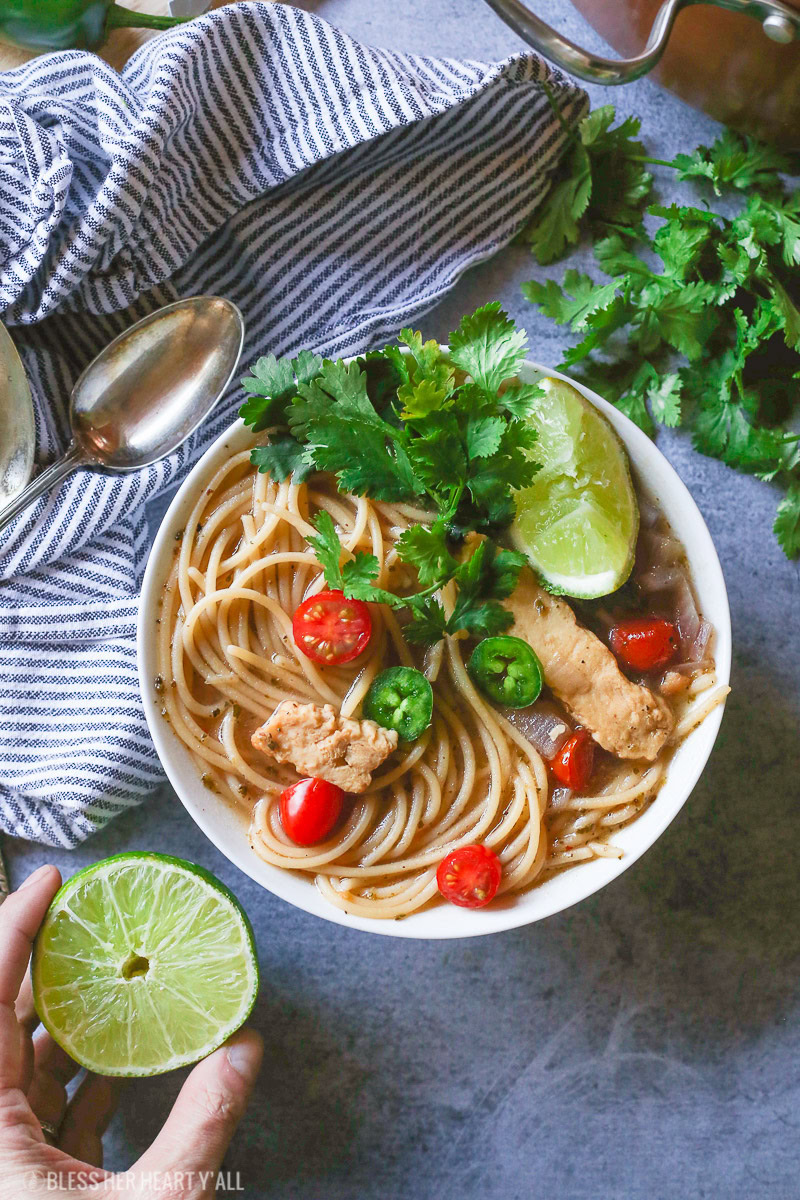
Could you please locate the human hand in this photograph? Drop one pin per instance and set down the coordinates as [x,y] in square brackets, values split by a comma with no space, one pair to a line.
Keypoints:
[182,1162]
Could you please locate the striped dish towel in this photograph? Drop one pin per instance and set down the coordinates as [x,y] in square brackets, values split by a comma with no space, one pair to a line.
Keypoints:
[333,191]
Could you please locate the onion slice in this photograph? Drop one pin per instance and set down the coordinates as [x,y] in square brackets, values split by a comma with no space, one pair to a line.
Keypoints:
[559,797]
[687,618]
[544,728]
[701,642]
[660,579]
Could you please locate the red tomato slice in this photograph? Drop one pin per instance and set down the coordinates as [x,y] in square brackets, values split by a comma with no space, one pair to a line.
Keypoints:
[574,763]
[310,809]
[331,629]
[469,876]
[645,643]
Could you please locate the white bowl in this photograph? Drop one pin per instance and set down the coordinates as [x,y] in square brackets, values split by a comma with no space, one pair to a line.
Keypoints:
[228,830]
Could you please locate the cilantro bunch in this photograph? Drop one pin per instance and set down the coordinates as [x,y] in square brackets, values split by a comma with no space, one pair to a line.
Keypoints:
[699,325]
[442,429]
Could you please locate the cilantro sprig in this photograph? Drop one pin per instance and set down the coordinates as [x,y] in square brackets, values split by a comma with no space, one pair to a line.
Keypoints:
[487,576]
[446,430]
[699,325]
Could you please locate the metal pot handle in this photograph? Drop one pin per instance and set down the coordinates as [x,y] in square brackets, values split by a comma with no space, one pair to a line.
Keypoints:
[780,23]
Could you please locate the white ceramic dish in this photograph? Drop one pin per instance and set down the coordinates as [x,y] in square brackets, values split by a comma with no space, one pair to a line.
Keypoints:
[228,831]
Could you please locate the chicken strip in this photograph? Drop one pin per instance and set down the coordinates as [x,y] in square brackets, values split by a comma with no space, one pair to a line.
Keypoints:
[321,744]
[623,717]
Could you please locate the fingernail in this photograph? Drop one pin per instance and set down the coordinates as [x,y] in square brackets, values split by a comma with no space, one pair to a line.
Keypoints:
[245,1057]
[36,875]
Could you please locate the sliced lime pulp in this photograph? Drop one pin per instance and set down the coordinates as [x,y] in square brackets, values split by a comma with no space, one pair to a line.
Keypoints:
[143,963]
[579,520]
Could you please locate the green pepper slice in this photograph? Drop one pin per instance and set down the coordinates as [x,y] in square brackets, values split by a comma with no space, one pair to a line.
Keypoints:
[507,671]
[400,698]
[71,24]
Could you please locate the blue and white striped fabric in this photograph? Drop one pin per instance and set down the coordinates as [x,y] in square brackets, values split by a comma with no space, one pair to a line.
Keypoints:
[332,190]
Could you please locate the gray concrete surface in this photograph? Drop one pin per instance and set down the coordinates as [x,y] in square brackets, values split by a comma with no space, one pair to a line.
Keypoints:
[643,1046]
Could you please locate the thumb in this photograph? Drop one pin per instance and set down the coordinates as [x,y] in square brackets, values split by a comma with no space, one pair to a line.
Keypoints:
[210,1105]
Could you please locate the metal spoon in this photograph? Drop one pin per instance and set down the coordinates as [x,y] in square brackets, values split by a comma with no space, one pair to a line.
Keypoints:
[147,391]
[16,455]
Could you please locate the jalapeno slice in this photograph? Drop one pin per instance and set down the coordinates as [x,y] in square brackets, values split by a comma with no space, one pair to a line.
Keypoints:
[400,698]
[506,670]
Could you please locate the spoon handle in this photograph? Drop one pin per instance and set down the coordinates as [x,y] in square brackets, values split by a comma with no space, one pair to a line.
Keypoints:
[47,479]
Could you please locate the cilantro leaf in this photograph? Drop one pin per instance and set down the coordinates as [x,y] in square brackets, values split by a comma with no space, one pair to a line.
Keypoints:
[334,416]
[519,399]
[483,436]
[360,570]
[421,399]
[282,457]
[488,346]
[480,620]
[327,548]
[621,182]
[633,400]
[270,376]
[680,314]
[272,382]
[489,572]
[595,129]
[664,396]
[788,313]
[437,456]
[787,220]
[428,359]
[555,223]
[263,412]
[356,576]
[426,549]
[735,161]
[787,522]
[339,384]
[504,570]
[429,623]
[482,580]
[616,259]
[572,303]
[430,377]
[683,238]
[602,325]
[494,479]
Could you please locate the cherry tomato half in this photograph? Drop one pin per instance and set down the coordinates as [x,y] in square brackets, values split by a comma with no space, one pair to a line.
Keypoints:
[330,629]
[645,643]
[310,809]
[574,763]
[469,876]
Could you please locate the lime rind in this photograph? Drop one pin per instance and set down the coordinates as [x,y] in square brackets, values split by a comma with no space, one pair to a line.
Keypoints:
[144,963]
[579,521]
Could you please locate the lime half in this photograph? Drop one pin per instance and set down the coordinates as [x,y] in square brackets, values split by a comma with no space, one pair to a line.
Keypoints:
[579,520]
[143,963]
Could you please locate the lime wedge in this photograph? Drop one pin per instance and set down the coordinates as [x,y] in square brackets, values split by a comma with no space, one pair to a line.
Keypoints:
[579,520]
[143,963]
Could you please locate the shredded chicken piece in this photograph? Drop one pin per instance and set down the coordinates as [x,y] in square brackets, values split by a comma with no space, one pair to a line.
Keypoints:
[623,717]
[674,682]
[321,744]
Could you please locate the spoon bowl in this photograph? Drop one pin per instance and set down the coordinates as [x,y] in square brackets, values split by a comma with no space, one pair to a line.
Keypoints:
[16,421]
[154,384]
[147,391]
